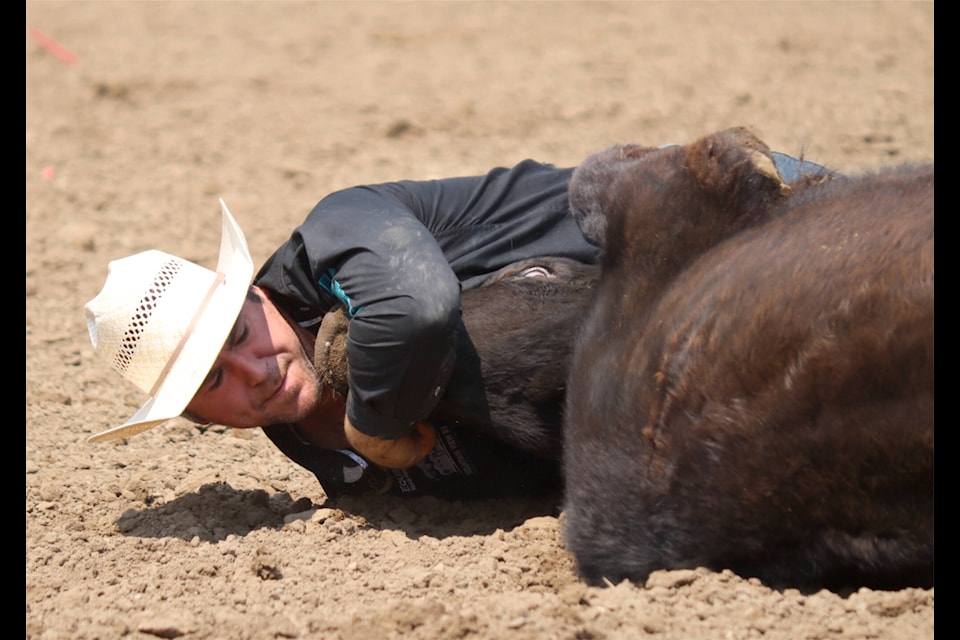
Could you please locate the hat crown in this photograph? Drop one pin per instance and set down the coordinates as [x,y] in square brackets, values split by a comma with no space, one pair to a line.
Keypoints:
[146,307]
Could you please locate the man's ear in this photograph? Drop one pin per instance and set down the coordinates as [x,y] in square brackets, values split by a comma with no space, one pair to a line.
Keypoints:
[256,294]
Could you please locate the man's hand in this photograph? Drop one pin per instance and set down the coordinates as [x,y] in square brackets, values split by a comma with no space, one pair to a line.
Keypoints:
[402,453]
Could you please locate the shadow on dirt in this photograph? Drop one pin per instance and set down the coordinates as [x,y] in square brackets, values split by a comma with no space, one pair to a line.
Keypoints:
[217,510]
[211,513]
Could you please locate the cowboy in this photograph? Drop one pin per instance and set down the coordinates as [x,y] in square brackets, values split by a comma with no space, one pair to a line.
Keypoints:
[212,347]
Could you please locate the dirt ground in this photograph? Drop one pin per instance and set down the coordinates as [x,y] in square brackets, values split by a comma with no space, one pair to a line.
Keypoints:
[150,111]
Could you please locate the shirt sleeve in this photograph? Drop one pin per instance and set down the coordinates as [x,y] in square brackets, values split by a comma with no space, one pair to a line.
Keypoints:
[370,254]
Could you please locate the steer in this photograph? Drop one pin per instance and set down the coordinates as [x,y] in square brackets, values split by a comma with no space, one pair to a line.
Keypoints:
[752,387]
[512,353]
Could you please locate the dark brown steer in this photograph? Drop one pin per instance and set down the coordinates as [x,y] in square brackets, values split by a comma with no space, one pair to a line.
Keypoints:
[753,385]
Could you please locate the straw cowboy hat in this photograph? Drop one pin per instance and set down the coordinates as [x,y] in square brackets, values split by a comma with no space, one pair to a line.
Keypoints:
[161,322]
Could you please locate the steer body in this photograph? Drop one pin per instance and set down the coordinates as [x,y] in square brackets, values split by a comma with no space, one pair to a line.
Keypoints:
[513,354]
[753,385]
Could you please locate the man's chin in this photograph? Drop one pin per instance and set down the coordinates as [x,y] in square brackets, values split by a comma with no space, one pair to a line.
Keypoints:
[303,406]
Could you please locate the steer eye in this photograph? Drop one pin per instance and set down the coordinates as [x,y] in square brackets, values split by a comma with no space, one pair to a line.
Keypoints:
[536,272]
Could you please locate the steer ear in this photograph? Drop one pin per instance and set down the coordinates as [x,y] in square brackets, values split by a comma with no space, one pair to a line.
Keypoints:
[735,163]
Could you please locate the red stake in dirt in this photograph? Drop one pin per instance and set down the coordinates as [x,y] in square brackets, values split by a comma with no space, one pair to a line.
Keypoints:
[59,51]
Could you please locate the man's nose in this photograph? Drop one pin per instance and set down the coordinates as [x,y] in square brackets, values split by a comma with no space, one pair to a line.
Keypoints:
[249,368]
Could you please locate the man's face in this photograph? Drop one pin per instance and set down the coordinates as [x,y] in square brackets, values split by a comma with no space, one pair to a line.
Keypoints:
[263,374]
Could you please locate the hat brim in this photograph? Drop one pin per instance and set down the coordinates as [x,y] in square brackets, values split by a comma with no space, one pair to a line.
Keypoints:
[201,347]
